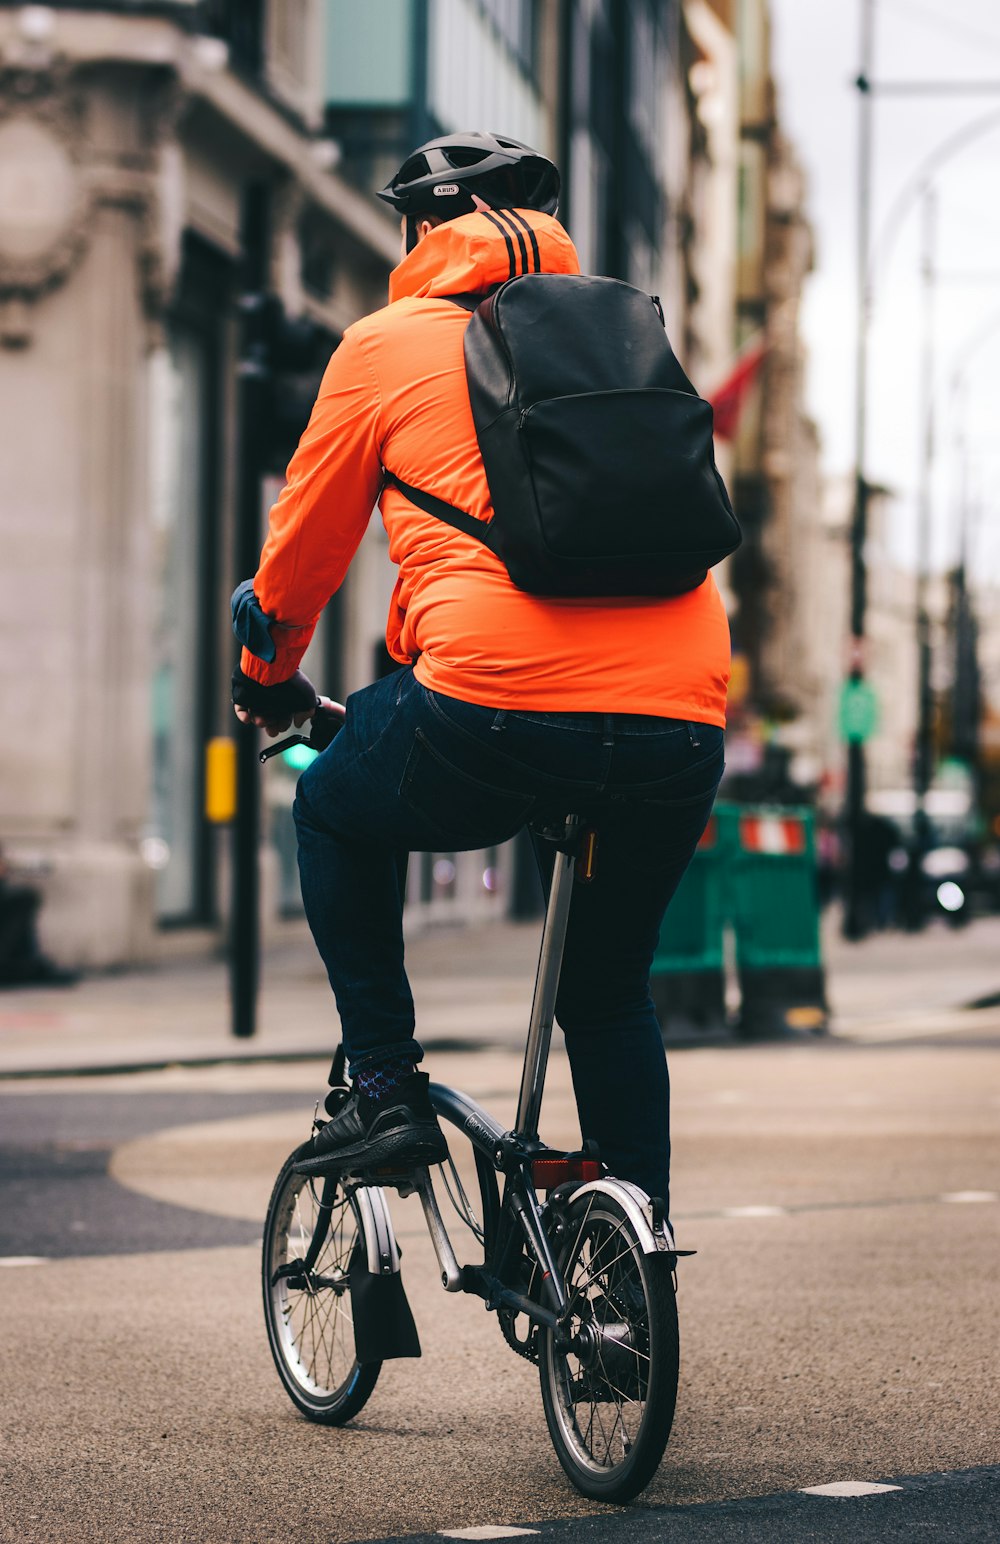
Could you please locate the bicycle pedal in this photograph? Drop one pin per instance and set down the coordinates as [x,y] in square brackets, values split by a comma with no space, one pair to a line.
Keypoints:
[405,1180]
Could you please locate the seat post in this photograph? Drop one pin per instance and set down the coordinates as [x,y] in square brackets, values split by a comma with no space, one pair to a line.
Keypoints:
[536,1054]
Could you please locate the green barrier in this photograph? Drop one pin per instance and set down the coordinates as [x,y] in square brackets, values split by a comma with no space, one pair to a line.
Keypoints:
[775,914]
[754,873]
[687,979]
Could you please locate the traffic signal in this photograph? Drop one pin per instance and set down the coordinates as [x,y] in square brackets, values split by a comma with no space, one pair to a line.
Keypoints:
[289,356]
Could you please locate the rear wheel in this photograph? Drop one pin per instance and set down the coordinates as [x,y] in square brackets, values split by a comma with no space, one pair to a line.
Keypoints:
[310,1326]
[609,1395]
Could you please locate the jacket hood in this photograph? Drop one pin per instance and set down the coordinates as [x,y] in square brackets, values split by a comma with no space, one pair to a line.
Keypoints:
[472,253]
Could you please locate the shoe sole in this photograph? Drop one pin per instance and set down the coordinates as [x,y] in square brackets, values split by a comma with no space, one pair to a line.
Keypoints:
[406,1149]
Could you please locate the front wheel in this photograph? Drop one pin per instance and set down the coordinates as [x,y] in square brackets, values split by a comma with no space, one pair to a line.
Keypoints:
[307,1308]
[609,1394]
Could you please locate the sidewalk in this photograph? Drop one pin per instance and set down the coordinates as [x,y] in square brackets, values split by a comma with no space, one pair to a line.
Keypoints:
[472,988]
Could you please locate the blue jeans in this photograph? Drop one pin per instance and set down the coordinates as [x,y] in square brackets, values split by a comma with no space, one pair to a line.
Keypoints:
[413,771]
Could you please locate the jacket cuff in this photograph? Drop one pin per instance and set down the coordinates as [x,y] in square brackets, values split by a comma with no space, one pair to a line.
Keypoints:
[251,623]
[270,673]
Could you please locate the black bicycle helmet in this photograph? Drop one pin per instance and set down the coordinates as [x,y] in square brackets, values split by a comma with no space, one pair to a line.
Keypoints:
[440,177]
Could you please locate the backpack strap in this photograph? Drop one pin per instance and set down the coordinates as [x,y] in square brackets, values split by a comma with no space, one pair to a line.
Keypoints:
[449,513]
[469,302]
[428,502]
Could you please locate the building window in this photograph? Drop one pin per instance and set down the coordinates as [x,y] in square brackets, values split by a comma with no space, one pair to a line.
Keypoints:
[318,258]
[181,382]
[185,427]
[241,24]
[517,23]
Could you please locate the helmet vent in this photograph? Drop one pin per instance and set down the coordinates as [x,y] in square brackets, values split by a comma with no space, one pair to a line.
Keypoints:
[416,166]
[459,155]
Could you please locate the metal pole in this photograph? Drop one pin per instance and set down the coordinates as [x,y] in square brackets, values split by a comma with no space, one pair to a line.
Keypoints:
[853,923]
[914,911]
[923,757]
[965,710]
[244,945]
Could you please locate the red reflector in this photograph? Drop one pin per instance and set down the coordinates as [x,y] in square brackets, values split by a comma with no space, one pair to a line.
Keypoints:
[547,1173]
[708,835]
[775,835]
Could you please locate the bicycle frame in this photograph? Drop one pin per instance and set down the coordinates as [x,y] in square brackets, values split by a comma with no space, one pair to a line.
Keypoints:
[517,1220]
[574,1267]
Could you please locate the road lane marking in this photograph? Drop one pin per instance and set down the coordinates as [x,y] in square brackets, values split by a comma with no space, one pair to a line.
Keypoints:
[847,1488]
[753,1211]
[484,1533]
[805,1208]
[23,1259]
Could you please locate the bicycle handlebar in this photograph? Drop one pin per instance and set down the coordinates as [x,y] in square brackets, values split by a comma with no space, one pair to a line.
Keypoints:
[327,722]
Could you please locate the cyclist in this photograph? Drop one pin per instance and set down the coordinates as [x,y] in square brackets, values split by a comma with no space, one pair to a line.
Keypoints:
[506,703]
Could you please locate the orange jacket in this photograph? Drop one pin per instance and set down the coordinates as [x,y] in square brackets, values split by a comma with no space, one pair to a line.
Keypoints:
[394,396]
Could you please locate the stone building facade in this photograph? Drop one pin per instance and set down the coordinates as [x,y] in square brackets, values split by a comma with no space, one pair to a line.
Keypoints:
[772,465]
[147,151]
[129,140]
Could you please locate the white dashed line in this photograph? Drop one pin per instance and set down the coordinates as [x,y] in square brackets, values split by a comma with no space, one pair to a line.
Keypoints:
[970,1197]
[847,1488]
[753,1211]
[23,1259]
[484,1533]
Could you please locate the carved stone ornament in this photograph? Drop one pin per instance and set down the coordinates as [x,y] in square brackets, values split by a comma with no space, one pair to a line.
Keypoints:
[44,205]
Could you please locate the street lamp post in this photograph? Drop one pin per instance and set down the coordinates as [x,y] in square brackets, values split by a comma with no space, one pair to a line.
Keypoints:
[853,919]
[244,965]
[853,924]
[923,750]
[965,736]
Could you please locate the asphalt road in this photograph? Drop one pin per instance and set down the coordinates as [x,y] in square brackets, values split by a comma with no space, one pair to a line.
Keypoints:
[839,1323]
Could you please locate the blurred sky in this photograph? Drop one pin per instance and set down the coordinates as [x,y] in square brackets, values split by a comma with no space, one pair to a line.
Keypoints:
[816,57]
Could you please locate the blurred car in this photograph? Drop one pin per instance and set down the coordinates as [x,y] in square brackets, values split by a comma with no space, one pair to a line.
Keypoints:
[939,865]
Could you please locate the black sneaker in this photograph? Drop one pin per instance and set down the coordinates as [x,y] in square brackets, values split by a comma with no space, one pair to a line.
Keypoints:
[398,1131]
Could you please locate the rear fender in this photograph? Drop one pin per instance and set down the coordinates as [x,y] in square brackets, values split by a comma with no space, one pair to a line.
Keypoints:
[653,1238]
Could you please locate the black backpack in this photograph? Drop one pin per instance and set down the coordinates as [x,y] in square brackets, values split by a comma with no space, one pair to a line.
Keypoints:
[597,449]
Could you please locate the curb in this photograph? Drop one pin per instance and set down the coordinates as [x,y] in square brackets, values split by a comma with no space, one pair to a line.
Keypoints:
[221,1059]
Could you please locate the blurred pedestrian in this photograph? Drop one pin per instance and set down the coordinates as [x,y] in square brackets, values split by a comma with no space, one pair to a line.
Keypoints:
[829,857]
[877,840]
[22,962]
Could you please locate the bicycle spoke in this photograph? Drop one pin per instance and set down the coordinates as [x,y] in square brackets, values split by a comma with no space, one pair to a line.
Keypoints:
[317,1314]
[603,1270]
[309,1311]
[590,1424]
[609,1421]
[573,1252]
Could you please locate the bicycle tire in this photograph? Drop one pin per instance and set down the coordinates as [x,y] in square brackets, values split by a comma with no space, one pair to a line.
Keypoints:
[310,1327]
[609,1402]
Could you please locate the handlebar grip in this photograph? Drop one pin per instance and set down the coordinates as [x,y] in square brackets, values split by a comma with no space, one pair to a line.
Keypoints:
[327,723]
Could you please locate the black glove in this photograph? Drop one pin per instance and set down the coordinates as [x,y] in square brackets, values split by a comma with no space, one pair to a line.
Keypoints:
[284,700]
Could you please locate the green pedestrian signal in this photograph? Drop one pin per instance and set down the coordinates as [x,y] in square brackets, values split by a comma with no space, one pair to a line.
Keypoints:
[857,711]
[298,757]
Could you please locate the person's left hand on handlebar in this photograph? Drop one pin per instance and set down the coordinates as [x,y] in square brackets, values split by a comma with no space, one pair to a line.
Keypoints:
[275,708]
